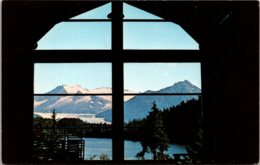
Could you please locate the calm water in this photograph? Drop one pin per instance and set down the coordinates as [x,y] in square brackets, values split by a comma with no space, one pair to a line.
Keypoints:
[94,147]
[97,146]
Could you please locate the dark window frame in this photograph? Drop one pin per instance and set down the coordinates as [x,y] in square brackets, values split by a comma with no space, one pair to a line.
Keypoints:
[117,56]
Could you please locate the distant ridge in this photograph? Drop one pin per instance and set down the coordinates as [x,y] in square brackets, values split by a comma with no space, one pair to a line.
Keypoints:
[139,106]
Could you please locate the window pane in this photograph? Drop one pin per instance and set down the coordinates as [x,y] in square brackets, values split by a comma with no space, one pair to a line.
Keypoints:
[77,35]
[97,13]
[70,124]
[166,125]
[162,77]
[157,35]
[72,78]
[131,12]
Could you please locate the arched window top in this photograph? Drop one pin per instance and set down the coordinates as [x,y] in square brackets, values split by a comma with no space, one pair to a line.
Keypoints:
[131,12]
[97,13]
[90,35]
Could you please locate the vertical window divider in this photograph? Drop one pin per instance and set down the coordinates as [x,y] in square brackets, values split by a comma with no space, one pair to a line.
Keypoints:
[117,82]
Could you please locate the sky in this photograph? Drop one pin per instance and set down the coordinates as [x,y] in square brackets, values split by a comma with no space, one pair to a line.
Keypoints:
[88,75]
[141,77]
[97,35]
[77,35]
[156,35]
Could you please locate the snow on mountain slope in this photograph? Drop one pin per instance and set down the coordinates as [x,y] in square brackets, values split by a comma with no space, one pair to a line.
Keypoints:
[74,104]
[101,90]
[181,87]
[68,89]
[37,103]
[128,97]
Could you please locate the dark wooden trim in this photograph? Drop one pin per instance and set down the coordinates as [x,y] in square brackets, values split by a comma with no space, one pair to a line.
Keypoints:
[124,20]
[117,82]
[163,94]
[161,56]
[88,20]
[146,20]
[75,94]
[74,56]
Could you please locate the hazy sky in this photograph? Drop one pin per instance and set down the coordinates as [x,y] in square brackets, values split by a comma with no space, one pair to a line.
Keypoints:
[92,35]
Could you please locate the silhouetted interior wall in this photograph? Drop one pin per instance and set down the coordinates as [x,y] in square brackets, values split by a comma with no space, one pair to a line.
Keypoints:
[228,37]
[231,72]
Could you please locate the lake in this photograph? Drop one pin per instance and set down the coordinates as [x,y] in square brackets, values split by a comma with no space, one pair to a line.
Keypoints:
[97,146]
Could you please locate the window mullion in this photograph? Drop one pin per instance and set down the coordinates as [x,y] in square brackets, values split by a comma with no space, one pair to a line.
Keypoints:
[117,81]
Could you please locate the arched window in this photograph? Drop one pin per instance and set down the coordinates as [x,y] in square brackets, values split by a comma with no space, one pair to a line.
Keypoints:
[109,67]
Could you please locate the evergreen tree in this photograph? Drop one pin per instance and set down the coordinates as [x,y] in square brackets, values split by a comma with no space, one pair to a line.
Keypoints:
[154,139]
[53,117]
[195,148]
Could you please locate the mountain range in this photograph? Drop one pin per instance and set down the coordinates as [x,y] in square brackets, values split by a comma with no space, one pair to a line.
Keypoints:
[92,104]
[134,106]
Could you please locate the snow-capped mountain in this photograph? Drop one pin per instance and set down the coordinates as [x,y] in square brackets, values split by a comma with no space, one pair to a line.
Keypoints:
[68,89]
[74,104]
[101,105]
[181,87]
[72,89]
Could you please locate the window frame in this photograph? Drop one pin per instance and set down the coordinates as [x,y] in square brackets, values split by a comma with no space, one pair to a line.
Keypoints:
[117,56]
